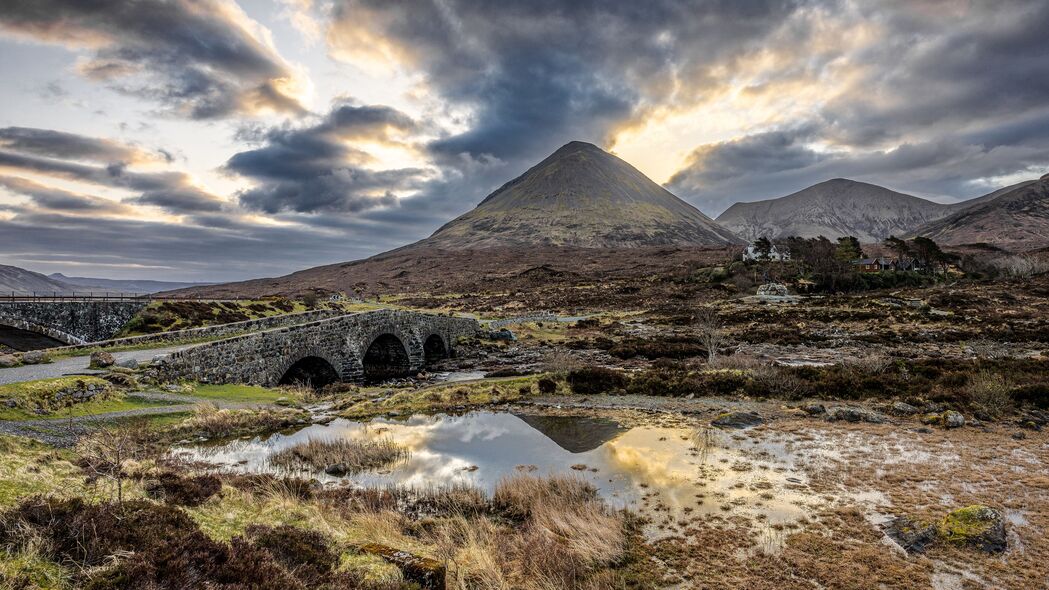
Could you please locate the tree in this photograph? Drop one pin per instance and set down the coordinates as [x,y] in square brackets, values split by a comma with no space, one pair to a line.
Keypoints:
[105,451]
[928,254]
[708,327]
[763,248]
[848,249]
[900,247]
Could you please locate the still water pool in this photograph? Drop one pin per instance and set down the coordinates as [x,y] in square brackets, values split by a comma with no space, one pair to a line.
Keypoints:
[669,473]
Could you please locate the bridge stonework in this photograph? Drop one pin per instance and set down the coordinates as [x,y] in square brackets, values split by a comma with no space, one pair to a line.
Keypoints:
[263,358]
[70,322]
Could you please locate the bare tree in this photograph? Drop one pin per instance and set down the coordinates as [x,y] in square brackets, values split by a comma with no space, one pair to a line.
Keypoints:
[106,450]
[711,334]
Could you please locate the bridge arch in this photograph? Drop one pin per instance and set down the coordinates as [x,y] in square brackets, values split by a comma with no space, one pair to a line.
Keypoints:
[24,335]
[310,371]
[386,357]
[435,348]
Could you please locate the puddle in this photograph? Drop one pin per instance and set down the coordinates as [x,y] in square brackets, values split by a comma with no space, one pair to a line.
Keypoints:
[670,474]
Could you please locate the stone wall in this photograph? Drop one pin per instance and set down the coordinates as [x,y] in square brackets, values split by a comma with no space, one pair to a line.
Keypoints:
[73,322]
[209,332]
[262,358]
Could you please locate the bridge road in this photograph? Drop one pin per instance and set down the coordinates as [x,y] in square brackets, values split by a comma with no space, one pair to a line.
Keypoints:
[76,365]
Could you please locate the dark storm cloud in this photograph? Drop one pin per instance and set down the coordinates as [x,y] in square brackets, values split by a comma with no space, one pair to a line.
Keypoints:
[58,144]
[172,191]
[317,169]
[195,56]
[61,200]
[539,73]
[778,163]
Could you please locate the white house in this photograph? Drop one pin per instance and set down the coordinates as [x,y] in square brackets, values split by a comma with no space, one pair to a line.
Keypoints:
[776,253]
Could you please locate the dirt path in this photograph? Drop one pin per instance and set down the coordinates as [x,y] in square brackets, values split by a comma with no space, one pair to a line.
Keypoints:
[77,365]
[64,432]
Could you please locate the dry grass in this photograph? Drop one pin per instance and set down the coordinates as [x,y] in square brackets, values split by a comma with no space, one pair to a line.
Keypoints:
[211,421]
[352,455]
[989,393]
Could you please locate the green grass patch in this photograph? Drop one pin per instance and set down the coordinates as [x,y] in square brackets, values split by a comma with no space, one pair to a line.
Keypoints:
[51,395]
[239,393]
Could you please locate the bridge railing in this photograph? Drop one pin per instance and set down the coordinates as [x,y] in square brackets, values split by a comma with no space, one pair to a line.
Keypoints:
[105,296]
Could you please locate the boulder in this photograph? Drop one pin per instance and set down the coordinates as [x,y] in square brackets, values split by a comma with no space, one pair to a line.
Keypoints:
[502,334]
[814,409]
[35,357]
[855,415]
[129,363]
[737,420]
[428,574]
[773,289]
[903,409]
[337,469]
[101,359]
[912,536]
[8,360]
[952,419]
[975,526]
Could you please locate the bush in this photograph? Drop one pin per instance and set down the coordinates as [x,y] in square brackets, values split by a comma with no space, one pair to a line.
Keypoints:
[183,491]
[595,380]
[161,548]
[547,386]
[675,347]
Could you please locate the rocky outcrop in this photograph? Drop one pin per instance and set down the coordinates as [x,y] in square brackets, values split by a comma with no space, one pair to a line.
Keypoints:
[737,420]
[975,526]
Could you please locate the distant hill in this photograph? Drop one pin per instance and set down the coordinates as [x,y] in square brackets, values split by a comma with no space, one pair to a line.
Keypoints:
[22,282]
[121,285]
[835,208]
[580,196]
[1016,220]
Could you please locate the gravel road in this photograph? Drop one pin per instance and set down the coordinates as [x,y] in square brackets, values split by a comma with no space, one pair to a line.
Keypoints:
[76,365]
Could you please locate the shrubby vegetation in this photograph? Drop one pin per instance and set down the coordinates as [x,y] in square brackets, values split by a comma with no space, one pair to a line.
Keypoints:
[988,386]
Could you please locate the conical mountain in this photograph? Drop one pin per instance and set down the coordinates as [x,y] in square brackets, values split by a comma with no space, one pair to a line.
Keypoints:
[835,208]
[1017,220]
[580,196]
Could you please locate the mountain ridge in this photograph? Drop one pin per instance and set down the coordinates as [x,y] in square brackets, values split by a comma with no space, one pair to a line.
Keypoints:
[580,196]
[1015,220]
[833,208]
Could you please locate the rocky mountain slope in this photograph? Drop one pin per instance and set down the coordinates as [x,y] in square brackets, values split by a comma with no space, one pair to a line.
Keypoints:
[580,196]
[1017,220]
[22,281]
[120,285]
[835,208]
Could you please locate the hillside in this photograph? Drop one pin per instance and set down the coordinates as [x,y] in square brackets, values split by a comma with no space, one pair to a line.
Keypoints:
[1017,220]
[121,285]
[835,208]
[22,281]
[580,196]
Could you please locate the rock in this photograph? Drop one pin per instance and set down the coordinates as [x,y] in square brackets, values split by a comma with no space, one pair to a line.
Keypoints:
[35,357]
[814,409]
[855,415]
[336,470]
[129,363]
[8,360]
[975,526]
[1019,436]
[952,419]
[903,409]
[737,420]
[503,334]
[101,359]
[773,289]
[912,536]
[428,574]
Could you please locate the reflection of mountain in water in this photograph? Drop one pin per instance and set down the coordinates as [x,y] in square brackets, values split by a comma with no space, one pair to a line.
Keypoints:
[575,434]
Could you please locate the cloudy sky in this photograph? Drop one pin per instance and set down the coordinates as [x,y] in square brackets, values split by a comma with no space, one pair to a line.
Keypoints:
[221,139]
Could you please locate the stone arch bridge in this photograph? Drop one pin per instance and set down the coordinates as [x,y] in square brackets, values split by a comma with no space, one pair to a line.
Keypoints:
[31,325]
[362,347]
